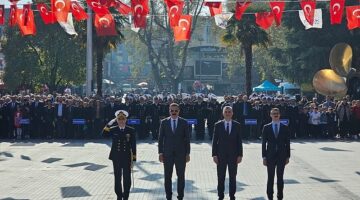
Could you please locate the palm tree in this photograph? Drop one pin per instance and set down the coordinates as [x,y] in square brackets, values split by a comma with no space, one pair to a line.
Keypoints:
[102,46]
[247,34]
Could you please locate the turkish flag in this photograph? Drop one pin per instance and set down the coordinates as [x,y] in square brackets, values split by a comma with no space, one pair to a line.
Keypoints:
[264,19]
[309,6]
[277,8]
[122,8]
[26,9]
[12,18]
[47,17]
[30,28]
[140,9]
[2,14]
[240,9]
[105,25]
[336,11]
[353,17]
[98,7]
[78,12]
[183,30]
[61,9]
[174,9]
[214,7]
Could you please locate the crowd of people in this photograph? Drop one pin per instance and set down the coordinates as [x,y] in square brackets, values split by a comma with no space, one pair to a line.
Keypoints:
[67,116]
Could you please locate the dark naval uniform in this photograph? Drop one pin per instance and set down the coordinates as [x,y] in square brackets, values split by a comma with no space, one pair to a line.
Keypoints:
[123,152]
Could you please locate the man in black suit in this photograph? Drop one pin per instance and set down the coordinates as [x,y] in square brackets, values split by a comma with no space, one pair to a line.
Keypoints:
[275,152]
[227,151]
[36,112]
[123,152]
[174,149]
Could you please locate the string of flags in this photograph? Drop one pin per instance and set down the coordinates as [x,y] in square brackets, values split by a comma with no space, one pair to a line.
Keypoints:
[63,12]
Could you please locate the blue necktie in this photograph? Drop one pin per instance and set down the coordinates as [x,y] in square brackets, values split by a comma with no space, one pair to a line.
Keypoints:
[276,130]
[174,125]
[228,128]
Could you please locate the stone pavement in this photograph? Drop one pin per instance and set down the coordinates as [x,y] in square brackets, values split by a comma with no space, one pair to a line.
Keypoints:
[74,169]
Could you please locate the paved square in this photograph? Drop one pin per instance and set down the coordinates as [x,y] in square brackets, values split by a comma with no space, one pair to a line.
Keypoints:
[318,170]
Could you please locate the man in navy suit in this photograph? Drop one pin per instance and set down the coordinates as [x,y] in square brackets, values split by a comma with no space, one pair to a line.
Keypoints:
[174,149]
[227,151]
[275,152]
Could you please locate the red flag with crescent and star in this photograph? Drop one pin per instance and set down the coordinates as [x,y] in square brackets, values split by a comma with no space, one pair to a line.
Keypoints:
[182,32]
[309,6]
[140,9]
[61,9]
[12,16]
[240,8]
[77,11]
[30,27]
[277,8]
[47,16]
[174,9]
[264,19]
[105,25]
[353,17]
[336,11]
[122,8]
[2,14]
[98,7]
[214,7]
[26,10]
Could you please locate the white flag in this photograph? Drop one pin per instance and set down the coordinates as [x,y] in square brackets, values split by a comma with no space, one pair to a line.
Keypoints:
[318,22]
[69,25]
[222,20]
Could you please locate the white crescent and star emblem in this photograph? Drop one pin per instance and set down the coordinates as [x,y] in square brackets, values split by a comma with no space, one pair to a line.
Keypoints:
[141,9]
[276,9]
[336,7]
[44,10]
[13,13]
[173,13]
[1,11]
[75,7]
[356,13]
[184,21]
[95,4]
[105,22]
[62,5]
[307,9]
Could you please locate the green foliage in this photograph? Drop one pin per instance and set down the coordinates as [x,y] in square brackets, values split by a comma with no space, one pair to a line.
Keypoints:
[52,57]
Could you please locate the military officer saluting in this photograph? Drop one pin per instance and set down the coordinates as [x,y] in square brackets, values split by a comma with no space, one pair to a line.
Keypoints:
[123,152]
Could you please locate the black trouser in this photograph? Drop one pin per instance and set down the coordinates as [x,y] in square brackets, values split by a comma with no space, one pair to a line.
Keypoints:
[344,127]
[279,166]
[60,127]
[200,129]
[180,164]
[221,173]
[155,124]
[210,125]
[122,170]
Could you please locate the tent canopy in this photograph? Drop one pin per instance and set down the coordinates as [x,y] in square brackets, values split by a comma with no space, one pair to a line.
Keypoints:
[266,86]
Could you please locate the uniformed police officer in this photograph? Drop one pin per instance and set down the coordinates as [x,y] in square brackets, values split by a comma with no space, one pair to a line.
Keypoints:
[123,152]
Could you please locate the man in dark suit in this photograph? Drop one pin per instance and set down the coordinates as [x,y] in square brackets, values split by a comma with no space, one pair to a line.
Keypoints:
[275,152]
[174,149]
[227,151]
[123,152]
[36,111]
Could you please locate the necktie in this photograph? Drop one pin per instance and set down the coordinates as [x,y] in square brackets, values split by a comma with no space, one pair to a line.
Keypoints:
[174,125]
[276,130]
[228,128]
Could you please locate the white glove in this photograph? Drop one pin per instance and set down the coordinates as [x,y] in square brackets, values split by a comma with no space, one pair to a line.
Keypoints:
[111,122]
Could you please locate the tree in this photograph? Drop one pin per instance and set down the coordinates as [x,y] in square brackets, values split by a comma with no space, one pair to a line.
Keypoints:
[51,57]
[304,52]
[167,58]
[246,34]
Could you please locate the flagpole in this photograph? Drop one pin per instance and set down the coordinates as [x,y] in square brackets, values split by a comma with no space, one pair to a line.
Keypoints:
[89,53]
